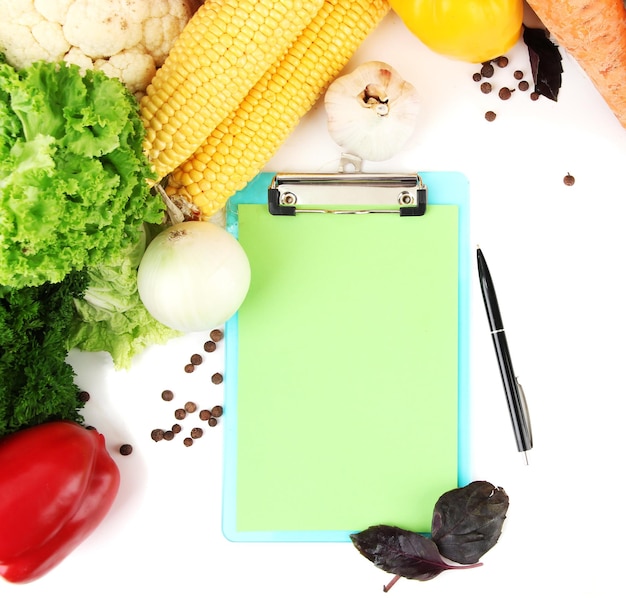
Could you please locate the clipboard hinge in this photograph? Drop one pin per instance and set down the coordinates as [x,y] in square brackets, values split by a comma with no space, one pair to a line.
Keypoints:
[347,193]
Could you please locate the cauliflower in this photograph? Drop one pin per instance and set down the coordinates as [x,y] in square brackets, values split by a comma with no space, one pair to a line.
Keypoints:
[126,39]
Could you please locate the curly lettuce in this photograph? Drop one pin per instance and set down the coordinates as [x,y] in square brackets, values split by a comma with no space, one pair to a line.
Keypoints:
[73,176]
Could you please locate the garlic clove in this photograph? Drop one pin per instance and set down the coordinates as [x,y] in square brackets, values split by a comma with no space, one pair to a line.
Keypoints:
[372,111]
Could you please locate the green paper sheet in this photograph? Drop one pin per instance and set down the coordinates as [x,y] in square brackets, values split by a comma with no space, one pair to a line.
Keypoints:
[347,373]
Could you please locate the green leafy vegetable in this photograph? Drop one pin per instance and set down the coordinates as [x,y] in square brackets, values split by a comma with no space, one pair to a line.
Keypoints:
[73,177]
[111,317]
[467,522]
[36,383]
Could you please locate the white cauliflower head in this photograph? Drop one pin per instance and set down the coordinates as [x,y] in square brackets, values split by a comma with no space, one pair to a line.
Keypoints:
[127,39]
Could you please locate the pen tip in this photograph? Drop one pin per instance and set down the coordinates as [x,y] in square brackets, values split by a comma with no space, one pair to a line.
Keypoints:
[525,457]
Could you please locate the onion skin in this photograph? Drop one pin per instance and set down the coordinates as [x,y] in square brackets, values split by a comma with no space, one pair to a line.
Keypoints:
[193,276]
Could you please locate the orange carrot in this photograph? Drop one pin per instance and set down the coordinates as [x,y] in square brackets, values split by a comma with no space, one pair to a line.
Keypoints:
[593,32]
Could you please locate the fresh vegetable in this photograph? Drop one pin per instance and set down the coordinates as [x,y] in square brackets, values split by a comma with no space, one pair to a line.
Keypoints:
[193,276]
[110,317]
[467,522]
[58,483]
[127,39]
[372,112]
[245,141]
[473,30]
[211,67]
[594,33]
[36,383]
[73,177]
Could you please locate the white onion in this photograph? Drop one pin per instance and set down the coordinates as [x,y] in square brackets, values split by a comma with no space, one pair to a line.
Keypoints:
[193,276]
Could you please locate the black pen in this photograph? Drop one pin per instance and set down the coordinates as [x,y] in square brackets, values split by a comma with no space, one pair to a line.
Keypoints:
[513,390]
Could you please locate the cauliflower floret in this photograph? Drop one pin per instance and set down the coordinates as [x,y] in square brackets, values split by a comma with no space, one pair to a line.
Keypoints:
[104,28]
[54,11]
[75,56]
[159,30]
[27,36]
[127,39]
[135,67]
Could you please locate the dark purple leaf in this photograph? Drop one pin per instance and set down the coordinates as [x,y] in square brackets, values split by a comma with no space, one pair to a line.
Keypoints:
[545,62]
[401,552]
[467,521]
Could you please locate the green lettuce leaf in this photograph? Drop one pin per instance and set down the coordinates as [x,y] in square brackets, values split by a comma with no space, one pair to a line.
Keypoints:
[73,176]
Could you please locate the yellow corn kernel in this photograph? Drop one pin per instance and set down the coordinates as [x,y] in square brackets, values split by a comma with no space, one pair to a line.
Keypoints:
[275,105]
[225,48]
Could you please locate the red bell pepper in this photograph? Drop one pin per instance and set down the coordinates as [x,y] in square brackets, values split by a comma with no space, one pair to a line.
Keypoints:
[57,483]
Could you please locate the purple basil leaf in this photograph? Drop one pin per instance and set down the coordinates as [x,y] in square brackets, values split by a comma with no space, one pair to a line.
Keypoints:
[545,62]
[467,521]
[401,552]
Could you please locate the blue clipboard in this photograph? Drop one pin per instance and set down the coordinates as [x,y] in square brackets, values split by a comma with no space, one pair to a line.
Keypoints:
[288,481]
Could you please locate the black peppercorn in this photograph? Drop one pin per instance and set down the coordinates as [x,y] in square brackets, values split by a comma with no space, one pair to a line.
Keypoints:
[190,406]
[180,413]
[212,421]
[217,378]
[216,335]
[209,346]
[126,449]
[485,88]
[217,411]
[176,428]
[189,368]
[157,435]
[196,433]
[188,442]
[504,93]
[205,415]
[518,75]
[477,77]
[487,70]
[168,435]
[569,180]
[502,61]
[196,359]
[523,85]
[490,116]
[167,395]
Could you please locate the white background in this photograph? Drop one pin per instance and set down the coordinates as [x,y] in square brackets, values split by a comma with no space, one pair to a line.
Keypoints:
[557,256]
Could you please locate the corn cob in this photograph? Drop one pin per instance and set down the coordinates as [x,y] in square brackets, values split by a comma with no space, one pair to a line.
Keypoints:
[247,139]
[223,51]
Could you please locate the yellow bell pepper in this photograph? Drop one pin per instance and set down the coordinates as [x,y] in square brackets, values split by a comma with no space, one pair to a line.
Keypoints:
[469,30]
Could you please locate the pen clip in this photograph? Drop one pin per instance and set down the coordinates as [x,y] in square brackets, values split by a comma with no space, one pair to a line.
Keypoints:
[522,397]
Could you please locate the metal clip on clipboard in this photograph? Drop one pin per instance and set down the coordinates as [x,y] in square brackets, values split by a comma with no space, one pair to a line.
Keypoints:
[347,193]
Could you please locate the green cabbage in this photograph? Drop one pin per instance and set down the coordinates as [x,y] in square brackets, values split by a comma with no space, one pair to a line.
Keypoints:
[110,316]
[73,177]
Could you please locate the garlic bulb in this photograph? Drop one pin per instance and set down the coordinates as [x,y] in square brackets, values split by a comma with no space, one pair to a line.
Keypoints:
[372,111]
